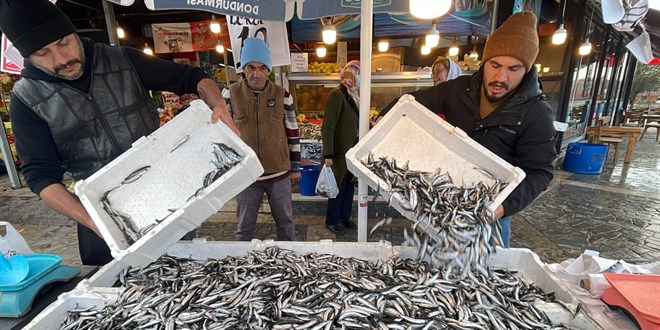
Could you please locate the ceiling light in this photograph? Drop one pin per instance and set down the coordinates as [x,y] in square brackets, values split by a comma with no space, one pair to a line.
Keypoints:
[432,37]
[321,51]
[585,48]
[329,34]
[426,49]
[147,50]
[219,47]
[120,33]
[453,50]
[215,26]
[559,37]
[429,9]
[383,46]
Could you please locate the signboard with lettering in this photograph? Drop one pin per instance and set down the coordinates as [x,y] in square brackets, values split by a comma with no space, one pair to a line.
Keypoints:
[188,37]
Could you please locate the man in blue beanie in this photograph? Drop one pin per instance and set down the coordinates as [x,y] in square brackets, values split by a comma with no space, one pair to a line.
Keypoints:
[264,114]
[80,104]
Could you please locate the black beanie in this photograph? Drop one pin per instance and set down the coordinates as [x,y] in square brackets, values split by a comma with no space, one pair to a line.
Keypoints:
[33,24]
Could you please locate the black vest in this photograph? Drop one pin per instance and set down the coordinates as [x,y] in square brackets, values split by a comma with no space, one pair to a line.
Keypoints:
[90,130]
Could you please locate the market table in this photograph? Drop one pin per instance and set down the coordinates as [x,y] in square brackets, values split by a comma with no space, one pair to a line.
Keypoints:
[46,297]
[633,133]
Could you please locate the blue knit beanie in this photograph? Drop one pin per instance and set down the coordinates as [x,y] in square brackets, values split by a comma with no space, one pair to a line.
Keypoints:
[255,50]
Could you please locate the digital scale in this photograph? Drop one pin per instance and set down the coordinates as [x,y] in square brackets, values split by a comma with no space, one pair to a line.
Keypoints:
[19,288]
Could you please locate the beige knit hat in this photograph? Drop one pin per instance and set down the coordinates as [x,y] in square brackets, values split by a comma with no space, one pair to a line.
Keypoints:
[516,37]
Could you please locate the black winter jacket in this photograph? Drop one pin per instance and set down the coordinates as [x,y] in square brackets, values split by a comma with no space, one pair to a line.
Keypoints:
[36,148]
[520,130]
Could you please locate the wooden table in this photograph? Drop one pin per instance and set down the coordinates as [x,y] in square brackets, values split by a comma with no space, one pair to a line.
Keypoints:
[633,133]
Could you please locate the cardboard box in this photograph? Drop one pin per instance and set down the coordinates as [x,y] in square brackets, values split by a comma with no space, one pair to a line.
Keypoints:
[168,199]
[412,133]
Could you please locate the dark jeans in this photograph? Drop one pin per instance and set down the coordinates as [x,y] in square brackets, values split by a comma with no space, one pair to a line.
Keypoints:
[339,208]
[93,250]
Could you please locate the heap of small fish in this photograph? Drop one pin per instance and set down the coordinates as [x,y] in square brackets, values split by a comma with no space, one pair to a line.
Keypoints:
[278,289]
[453,218]
[309,131]
[223,158]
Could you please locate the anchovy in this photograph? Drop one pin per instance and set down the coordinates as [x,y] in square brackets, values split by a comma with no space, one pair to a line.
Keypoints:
[279,289]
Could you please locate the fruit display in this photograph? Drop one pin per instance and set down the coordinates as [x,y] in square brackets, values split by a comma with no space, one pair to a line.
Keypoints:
[308,99]
[323,67]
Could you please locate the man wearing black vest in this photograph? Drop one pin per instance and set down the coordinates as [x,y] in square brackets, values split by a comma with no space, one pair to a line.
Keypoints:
[80,104]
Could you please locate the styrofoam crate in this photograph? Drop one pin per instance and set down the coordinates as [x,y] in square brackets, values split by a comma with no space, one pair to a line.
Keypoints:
[97,291]
[164,191]
[56,313]
[412,133]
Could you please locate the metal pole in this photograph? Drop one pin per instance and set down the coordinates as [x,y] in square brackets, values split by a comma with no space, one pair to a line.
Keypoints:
[14,180]
[224,61]
[110,22]
[366,27]
[494,18]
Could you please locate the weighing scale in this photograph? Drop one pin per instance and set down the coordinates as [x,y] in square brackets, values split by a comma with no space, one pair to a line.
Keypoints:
[16,299]
[637,294]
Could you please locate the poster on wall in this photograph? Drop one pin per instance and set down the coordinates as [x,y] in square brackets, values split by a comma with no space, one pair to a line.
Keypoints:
[272,32]
[12,60]
[188,37]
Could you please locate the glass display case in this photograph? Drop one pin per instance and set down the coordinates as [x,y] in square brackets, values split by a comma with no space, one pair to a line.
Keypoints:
[309,90]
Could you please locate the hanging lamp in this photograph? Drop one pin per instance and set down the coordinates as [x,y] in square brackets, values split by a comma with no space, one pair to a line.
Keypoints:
[383,46]
[432,36]
[559,37]
[329,34]
[215,26]
[428,9]
[453,50]
[147,50]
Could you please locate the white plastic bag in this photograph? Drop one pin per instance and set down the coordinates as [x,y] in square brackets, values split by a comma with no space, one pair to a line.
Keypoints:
[326,186]
[11,240]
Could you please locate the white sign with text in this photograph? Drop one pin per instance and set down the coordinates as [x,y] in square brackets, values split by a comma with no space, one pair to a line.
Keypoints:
[272,32]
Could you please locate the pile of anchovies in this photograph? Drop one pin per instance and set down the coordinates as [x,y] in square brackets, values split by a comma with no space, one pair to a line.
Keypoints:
[223,158]
[457,233]
[279,289]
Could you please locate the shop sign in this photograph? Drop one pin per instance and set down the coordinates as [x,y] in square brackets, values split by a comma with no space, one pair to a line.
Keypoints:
[258,9]
[187,37]
[325,8]
[272,32]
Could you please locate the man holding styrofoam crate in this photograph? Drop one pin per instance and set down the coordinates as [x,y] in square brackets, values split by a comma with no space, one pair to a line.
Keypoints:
[81,104]
[264,114]
[503,108]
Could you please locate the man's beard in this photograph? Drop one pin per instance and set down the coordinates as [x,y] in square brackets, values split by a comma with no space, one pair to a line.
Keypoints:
[493,98]
[55,71]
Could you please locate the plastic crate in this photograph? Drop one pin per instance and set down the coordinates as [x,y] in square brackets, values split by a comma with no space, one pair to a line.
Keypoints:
[95,292]
[167,197]
[412,133]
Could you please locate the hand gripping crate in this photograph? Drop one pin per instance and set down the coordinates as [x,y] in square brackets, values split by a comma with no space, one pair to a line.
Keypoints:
[166,200]
[411,133]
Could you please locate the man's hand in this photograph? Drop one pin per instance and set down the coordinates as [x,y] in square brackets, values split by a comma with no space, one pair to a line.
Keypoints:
[208,91]
[499,213]
[295,177]
[328,162]
[220,113]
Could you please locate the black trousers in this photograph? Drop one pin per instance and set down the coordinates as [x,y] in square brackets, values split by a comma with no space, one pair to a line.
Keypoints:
[93,250]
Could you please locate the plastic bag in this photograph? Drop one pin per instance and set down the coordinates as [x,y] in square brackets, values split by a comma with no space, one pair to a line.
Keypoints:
[326,186]
[11,240]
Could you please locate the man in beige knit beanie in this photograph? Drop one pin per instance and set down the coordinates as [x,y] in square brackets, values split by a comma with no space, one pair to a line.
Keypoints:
[503,108]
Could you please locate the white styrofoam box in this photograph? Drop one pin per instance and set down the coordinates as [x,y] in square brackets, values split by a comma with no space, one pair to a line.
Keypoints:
[411,133]
[164,191]
[52,316]
[97,291]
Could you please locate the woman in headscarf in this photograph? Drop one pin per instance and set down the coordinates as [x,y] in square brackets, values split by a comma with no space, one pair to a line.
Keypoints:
[444,69]
[339,134]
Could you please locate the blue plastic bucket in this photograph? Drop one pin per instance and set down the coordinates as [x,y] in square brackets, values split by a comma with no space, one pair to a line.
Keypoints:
[585,158]
[309,176]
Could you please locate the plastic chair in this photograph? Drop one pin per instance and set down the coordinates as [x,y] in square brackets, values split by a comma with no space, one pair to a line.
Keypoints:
[602,122]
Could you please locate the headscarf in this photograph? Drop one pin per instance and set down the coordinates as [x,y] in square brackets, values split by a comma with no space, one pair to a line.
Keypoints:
[454,70]
[350,78]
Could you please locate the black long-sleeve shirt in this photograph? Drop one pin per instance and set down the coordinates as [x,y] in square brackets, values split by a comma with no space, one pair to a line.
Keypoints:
[36,149]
